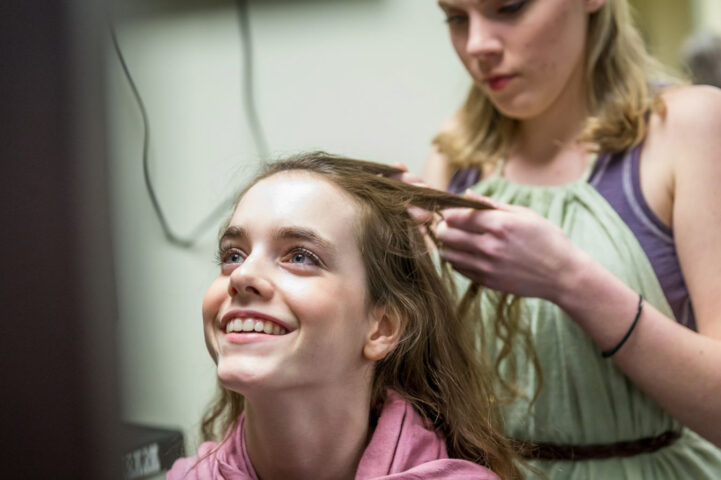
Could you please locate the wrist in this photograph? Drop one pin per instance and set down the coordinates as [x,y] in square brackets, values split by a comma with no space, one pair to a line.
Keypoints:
[571,282]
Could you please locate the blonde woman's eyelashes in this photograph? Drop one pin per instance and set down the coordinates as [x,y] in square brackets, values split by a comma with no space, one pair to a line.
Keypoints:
[512,8]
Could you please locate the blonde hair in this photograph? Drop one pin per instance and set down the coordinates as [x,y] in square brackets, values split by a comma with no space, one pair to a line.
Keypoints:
[624,84]
[436,365]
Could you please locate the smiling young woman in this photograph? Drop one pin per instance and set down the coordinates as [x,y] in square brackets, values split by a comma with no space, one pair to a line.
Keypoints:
[338,348]
[604,173]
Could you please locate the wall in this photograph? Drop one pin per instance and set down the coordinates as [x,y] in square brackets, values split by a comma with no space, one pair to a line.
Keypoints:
[368,78]
[664,25]
[707,15]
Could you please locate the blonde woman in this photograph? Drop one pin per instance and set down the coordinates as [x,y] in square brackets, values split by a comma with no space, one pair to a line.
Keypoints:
[339,351]
[608,219]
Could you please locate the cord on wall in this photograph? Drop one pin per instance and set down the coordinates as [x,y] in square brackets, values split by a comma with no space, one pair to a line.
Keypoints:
[257,134]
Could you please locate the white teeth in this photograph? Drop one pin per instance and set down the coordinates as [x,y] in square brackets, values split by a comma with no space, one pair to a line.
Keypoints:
[233,326]
[254,325]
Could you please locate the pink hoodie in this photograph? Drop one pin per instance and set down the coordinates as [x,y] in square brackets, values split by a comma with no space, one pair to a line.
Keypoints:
[401,448]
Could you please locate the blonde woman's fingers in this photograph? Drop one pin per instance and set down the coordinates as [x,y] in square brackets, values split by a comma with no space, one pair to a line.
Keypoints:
[471,195]
[421,216]
[473,267]
[476,221]
[400,166]
[470,242]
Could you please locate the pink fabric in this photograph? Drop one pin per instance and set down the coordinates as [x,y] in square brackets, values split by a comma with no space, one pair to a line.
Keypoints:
[401,448]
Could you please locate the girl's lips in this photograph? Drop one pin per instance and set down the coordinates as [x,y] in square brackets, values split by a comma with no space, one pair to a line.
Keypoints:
[233,314]
[499,82]
[245,338]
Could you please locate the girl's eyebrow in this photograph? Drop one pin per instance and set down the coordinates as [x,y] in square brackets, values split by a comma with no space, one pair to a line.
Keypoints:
[305,234]
[233,233]
[284,233]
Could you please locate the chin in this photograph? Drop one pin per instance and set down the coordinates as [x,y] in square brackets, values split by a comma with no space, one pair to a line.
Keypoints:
[239,376]
[518,109]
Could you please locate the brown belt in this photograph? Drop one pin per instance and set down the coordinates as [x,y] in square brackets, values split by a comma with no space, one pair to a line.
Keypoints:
[551,451]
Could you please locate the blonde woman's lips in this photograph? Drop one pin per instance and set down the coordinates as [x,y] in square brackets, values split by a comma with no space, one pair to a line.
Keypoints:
[498,82]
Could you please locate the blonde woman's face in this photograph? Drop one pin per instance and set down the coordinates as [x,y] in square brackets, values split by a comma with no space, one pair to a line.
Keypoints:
[288,307]
[523,54]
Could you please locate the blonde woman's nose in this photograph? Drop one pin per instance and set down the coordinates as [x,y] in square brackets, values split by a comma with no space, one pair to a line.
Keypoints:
[483,40]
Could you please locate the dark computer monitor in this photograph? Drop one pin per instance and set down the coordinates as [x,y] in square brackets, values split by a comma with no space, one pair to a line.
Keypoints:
[59,402]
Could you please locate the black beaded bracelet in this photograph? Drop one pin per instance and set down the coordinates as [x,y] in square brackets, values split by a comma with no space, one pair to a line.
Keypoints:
[608,353]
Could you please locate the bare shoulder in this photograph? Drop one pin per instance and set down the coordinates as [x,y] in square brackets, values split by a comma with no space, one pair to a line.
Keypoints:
[693,118]
[684,141]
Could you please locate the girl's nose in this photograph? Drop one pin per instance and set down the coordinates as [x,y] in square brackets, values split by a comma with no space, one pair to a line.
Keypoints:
[251,280]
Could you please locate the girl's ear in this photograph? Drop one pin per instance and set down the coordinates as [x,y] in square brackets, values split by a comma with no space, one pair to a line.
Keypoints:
[594,5]
[384,331]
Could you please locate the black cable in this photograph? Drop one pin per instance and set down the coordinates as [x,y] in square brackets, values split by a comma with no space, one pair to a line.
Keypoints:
[251,114]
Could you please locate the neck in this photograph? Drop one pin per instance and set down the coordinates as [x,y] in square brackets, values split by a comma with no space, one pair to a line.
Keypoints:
[546,149]
[311,433]
[543,135]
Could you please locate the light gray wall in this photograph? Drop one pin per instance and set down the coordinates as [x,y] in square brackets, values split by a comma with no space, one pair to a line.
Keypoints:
[367,78]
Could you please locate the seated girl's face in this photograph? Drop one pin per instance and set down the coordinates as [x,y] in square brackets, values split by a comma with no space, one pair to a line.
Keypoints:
[288,308]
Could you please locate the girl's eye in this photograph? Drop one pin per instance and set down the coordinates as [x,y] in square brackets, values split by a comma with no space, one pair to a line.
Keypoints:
[512,8]
[302,256]
[230,256]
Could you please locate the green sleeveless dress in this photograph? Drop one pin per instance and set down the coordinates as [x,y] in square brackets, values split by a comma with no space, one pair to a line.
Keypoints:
[586,399]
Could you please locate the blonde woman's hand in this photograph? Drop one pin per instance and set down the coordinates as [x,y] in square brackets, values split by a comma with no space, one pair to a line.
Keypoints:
[509,248]
[407,177]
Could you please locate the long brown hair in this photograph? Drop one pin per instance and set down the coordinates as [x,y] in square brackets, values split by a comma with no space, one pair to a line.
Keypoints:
[436,365]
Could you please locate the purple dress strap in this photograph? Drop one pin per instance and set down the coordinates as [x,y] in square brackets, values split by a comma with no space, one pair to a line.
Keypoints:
[463,179]
[616,178]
